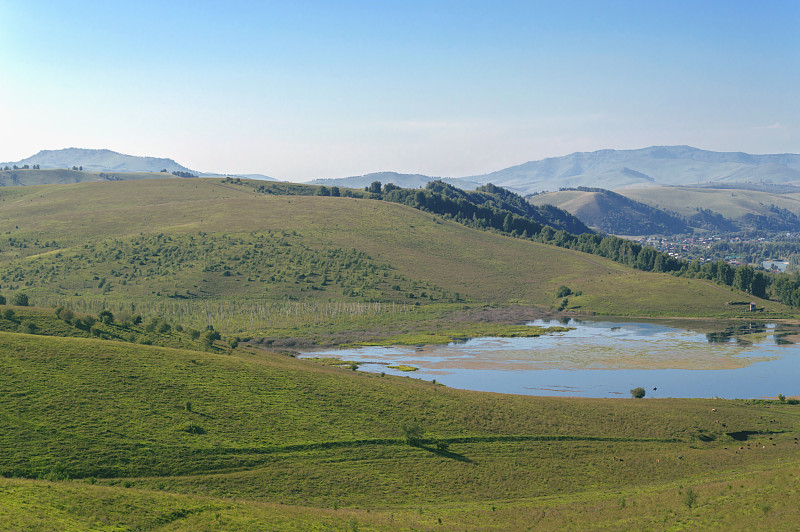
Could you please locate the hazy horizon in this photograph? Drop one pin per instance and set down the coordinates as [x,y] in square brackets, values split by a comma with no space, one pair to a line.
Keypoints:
[311,90]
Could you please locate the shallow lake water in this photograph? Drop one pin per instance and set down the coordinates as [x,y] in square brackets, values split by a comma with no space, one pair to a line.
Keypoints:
[605,359]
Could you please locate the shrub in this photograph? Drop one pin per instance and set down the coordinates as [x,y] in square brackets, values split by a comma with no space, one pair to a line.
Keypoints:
[8,314]
[29,327]
[19,300]
[192,428]
[413,433]
[563,291]
[2,300]
[106,317]
[690,498]
[65,314]
[638,393]
[781,398]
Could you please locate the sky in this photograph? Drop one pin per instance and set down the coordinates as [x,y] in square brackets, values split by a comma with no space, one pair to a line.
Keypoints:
[299,90]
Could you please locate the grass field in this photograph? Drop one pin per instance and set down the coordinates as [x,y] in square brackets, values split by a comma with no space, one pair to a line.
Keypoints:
[204,439]
[125,424]
[204,251]
[731,204]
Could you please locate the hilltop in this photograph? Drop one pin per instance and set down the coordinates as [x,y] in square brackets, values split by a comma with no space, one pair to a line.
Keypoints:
[656,165]
[608,169]
[98,161]
[240,256]
[75,165]
[613,213]
[401,180]
[616,169]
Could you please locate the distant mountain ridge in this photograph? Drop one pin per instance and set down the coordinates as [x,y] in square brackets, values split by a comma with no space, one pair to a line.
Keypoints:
[613,169]
[608,169]
[613,213]
[401,180]
[99,161]
[656,165]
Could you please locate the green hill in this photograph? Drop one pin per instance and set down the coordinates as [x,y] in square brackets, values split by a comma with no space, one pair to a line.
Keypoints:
[205,251]
[63,176]
[109,421]
[747,209]
[193,440]
[613,213]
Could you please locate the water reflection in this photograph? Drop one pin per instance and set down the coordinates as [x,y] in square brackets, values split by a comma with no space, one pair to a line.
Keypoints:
[604,358]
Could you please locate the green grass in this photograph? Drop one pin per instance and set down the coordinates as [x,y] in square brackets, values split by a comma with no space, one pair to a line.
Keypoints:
[732,204]
[276,429]
[99,432]
[203,251]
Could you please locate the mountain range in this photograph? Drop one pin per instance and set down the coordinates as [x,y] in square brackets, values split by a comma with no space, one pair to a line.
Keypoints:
[92,160]
[616,169]
[607,169]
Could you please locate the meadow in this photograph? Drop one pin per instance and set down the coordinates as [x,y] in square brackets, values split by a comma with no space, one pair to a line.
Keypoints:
[205,251]
[151,384]
[246,436]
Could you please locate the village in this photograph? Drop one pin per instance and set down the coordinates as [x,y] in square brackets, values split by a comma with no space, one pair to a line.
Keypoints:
[708,248]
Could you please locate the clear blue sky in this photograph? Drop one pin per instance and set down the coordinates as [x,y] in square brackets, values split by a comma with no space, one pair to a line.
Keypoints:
[299,89]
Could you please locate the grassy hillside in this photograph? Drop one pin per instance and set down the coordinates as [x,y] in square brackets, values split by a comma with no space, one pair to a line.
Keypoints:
[731,203]
[30,177]
[613,213]
[205,251]
[187,439]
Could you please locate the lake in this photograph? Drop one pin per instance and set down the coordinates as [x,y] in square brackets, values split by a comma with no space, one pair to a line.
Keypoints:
[603,358]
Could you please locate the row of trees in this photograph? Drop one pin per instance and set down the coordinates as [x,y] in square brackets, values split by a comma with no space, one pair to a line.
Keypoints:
[23,167]
[18,300]
[446,200]
[494,208]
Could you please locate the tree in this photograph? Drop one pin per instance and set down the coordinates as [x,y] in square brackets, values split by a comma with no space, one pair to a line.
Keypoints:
[20,300]
[2,300]
[374,187]
[637,393]
[106,317]
[413,432]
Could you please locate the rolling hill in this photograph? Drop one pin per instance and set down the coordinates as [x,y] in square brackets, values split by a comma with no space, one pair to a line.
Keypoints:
[401,180]
[104,431]
[748,209]
[613,213]
[146,437]
[210,251]
[98,161]
[657,165]
[56,167]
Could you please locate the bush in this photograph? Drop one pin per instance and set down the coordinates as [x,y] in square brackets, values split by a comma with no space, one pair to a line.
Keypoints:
[690,498]
[413,433]
[106,317]
[192,428]
[2,300]
[563,291]
[19,300]
[637,393]
[8,314]
[65,314]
